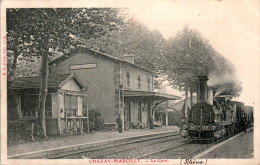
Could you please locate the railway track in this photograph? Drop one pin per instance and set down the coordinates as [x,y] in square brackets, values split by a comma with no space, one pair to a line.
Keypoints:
[174,150]
[127,153]
[104,151]
[159,151]
[133,148]
[169,146]
[180,151]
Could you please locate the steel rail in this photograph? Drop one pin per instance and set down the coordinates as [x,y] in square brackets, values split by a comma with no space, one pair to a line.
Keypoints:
[98,156]
[162,150]
[193,152]
[110,146]
[176,146]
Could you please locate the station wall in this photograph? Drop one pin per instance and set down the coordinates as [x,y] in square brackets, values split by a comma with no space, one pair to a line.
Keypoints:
[98,79]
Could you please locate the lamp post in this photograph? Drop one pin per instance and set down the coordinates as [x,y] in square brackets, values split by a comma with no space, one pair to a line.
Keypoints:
[119,119]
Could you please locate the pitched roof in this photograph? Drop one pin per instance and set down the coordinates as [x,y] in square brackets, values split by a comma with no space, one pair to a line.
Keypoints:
[84,50]
[54,81]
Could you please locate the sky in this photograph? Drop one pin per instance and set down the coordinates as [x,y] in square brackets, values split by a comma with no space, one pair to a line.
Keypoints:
[232,28]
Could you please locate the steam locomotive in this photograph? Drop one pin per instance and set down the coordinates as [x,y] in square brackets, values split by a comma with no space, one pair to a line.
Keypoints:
[215,118]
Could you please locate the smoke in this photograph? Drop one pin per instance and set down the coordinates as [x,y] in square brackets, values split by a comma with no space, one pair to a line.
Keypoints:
[218,79]
[221,89]
[224,82]
[224,79]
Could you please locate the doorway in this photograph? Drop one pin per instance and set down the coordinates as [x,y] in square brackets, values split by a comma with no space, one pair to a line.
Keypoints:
[127,116]
[139,117]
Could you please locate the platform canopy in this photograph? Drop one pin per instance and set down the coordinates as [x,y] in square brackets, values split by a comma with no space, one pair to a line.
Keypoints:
[151,95]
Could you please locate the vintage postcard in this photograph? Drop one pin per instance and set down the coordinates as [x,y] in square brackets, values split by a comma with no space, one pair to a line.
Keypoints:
[130,82]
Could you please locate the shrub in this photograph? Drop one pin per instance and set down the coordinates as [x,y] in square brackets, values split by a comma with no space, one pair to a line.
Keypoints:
[96,123]
[22,131]
[12,113]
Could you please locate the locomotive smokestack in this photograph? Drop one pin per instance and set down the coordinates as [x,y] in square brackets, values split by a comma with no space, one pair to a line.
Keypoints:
[203,88]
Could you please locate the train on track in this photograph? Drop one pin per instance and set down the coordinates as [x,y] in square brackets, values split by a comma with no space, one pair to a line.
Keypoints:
[214,118]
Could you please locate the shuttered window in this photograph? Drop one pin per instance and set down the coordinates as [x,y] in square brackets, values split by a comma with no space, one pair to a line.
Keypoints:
[148,84]
[127,79]
[139,82]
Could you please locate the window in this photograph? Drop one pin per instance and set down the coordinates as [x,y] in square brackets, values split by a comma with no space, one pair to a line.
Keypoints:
[48,106]
[29,106]
[127,79]
[79,106]
[148,84]
[139,82]
[71,105]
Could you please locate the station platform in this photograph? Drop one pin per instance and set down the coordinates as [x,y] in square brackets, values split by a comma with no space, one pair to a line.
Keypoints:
[63,143]
[240,146]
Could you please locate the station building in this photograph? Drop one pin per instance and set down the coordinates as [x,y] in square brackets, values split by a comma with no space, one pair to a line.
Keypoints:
[116,87]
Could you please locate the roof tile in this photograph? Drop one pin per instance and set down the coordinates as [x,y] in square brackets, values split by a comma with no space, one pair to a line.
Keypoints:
[34,82]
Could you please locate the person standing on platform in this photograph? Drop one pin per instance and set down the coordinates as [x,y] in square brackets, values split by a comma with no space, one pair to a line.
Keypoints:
[119,124]
[244,124]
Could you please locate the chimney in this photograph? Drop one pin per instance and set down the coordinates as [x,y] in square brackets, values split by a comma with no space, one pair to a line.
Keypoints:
[129,58]
[203,88]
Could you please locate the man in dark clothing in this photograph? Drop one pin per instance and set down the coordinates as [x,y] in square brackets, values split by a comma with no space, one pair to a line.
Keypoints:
[120,124]
[243,124]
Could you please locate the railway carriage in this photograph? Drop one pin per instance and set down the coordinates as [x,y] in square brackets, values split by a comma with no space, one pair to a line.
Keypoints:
[248,116]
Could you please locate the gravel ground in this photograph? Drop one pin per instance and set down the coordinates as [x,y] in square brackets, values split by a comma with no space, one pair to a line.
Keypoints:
[241,147]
